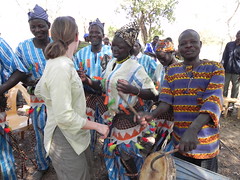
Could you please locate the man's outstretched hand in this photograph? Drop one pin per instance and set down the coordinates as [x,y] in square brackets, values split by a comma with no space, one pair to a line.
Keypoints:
[143,118]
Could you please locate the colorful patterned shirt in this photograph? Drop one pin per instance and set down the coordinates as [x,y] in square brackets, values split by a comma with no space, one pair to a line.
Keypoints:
[135,74]
[193,91]
[9,62]
[131,71]
[90,61]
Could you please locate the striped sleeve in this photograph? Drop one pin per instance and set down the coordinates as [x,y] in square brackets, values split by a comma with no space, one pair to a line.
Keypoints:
[213,95]
[10,61]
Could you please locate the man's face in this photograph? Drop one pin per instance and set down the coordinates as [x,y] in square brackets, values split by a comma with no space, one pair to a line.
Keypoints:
[165,58]
[155,40]
[106,41]
[39,28]
[189,45]
[95,35]
[136,48]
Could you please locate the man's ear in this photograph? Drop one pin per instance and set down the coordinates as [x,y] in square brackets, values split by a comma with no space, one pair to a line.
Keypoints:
[201,44]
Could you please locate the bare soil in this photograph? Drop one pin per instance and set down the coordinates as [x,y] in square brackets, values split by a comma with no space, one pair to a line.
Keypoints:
[229,157]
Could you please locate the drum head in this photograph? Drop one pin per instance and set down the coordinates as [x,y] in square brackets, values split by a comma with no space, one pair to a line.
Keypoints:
[164,165]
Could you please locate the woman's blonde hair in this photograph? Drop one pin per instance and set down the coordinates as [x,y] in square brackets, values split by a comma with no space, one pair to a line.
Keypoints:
[63,32]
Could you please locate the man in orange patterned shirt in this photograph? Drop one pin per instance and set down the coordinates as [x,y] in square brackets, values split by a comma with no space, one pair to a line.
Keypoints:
[194,89]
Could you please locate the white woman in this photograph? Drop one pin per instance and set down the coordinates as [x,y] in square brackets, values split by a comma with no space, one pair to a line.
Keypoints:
[67,133]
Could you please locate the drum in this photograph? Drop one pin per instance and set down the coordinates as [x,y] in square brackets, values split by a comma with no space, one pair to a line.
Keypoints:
[165,168]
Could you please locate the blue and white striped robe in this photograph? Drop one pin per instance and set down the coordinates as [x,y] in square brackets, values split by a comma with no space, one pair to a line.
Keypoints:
[91,61]
[34,60]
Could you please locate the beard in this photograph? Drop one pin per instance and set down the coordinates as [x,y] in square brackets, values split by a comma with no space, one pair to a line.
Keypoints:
[95,42]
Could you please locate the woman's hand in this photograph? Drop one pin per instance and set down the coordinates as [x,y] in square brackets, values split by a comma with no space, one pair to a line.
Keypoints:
[125,87]
[103,130]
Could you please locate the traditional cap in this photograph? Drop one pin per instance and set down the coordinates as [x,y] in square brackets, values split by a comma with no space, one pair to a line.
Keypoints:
[38,13]
[97,22]
[85,35]
[165,46]
[128,33]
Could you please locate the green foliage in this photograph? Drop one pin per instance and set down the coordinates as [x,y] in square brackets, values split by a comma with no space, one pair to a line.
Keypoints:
[149,14]
[111,31]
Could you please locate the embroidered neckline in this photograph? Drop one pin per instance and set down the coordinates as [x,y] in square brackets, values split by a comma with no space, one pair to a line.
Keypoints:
[120,62]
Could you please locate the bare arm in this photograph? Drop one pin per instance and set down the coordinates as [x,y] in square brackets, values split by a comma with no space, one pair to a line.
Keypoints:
[15,78]
[101,128]
[189,139]
[145,117]
[125,87]
[95,84]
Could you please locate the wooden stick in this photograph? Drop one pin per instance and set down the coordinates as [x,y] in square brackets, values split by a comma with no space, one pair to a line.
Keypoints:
[229,150]
[132,109]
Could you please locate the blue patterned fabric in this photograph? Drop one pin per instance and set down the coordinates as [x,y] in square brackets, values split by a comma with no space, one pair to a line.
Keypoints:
[7,161]
[116,170]
[34,60]
[38,13]
[148,63]
[39,118]
[9,63]
[98,23]
[91,61]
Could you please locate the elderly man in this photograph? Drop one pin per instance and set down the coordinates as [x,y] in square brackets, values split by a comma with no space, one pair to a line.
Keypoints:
[93,59]
[31,54]
[194,89]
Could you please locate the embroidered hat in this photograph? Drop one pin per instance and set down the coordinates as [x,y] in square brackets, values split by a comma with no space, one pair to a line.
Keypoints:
[165,46]
[38,13]
[98,23]
[129,33]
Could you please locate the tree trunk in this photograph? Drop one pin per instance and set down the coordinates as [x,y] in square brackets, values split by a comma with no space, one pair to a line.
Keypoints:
[143,29]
